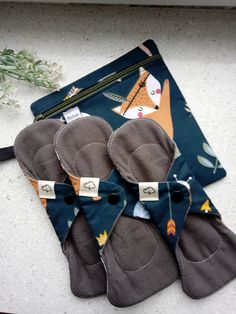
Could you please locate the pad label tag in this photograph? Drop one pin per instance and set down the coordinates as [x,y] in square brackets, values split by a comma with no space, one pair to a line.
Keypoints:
[72,114]
[148,191]
[46,189]
[89,186]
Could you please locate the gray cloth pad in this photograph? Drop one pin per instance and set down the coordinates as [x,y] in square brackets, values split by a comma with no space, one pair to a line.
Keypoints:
[36,155]
[35,152]
[136,258]
[141,153]
[206,252]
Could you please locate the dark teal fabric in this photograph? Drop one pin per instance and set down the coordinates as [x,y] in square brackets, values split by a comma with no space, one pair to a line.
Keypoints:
[60,212]
[102,215]
[165,208]
[187,134]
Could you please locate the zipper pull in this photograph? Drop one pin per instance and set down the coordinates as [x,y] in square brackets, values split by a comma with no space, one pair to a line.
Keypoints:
[39,117]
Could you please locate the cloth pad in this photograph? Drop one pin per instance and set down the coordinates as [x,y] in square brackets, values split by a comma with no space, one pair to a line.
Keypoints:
[137,260]
[35,153]
[150,162]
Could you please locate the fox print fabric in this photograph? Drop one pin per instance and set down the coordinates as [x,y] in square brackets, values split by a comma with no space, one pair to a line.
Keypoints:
[147,100]
[135,86]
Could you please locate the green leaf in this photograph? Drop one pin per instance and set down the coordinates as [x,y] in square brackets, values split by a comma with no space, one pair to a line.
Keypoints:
[37,62]
[208,150]
[24,66]
[8,51]
[205,162]
[2,77]
[3,60]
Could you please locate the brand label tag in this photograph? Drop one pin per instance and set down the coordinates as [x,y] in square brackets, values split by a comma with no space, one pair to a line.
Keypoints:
[148,191]
[46,189]
[72,114]
[89,186]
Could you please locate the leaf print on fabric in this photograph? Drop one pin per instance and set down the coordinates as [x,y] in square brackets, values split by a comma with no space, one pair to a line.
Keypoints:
[187,109]
[69,223]
[208,150]
[114,97]
[206,162]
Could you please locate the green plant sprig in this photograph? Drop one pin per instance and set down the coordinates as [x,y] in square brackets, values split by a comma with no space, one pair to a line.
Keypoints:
[25,66]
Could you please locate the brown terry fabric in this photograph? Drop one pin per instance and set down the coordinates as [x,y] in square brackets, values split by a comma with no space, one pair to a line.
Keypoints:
[87,274]
[36,155]
[140,152]
[206,252]
[35,152]
[137,261]
[81,147]
[207,255]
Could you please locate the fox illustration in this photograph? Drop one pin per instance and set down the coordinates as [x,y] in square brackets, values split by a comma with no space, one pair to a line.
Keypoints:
[146,99]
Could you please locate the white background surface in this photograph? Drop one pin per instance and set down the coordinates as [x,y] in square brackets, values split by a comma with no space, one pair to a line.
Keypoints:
[199,46]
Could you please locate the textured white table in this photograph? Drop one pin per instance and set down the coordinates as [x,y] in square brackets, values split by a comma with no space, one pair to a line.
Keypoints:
[199,47]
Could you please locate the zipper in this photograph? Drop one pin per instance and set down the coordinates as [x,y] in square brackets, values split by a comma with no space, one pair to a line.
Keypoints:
[88,92]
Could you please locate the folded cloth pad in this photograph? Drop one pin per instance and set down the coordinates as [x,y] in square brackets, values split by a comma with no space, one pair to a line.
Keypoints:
[151,164]
[35,153]
[137,260]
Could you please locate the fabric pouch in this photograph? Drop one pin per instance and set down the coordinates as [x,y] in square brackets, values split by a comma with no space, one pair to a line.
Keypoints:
[151,164]
[35,153]
[134,86]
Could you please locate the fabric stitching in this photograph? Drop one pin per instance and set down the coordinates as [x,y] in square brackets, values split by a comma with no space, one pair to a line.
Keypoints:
[148,262]
[129,160]
[76,172]
[70,263]
[110,143]
[58,134]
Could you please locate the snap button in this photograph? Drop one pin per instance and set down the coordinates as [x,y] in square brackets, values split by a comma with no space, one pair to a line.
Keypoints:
[69,198]
[113,198]
[177,196]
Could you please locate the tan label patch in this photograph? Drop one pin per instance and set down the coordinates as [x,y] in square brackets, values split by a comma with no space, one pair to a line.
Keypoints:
[89,186]
[148,191]
[46,189]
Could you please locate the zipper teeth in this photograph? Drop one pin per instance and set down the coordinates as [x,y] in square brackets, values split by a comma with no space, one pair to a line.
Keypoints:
[93,89]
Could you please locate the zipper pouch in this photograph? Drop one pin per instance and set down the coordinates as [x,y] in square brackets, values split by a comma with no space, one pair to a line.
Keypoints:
[134,86]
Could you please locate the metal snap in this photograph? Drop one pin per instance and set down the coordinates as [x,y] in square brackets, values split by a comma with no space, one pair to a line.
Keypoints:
[177,196]
[70,198]
[113,198]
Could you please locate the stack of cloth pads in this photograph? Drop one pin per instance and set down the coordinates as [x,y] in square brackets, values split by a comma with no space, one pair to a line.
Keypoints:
[96,183]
